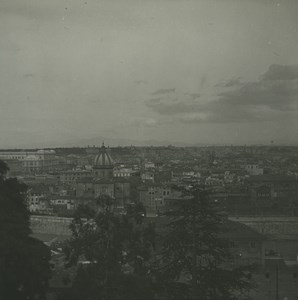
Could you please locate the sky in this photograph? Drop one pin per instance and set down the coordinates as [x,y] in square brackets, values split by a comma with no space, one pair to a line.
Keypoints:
[194,72]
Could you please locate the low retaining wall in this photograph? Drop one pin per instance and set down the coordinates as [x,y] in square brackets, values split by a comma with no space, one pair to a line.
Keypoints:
[270,225]
[265,225]
[51,225]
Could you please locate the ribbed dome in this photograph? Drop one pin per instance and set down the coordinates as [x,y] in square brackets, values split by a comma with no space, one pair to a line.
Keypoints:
[103,159]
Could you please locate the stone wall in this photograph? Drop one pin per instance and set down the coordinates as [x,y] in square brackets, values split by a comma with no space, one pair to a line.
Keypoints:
[271,225]
[265,225]
[50,225]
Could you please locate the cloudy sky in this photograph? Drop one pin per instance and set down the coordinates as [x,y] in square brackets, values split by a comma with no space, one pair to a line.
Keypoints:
[201,71]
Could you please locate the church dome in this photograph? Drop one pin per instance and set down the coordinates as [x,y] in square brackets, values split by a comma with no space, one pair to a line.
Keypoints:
[103,159]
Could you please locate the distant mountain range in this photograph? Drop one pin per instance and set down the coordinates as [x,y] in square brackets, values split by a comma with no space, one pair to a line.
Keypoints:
[96,141]
[112,142]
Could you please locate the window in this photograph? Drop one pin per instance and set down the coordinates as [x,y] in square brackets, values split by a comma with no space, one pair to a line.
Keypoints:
[252,244]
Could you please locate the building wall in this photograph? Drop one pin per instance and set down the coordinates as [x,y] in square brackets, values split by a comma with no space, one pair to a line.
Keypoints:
[37,203]
[153,197]
[269,280]
[254,170]
[18,155]
[103,189]
[68,204]
[122,193]
[119,190]
[247,251]
[85,189]
[33,161]
[70,177]
[123,172]
[103,173]
[286,247]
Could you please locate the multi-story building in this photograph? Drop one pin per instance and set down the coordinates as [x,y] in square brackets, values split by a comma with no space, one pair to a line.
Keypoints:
[17,155]
[124,172]
[254,169]
[276,192]
[70,177]
[153,196]
[64,203]
[147,176]
[37,201]
[33,161]
[246,243]
[149,165]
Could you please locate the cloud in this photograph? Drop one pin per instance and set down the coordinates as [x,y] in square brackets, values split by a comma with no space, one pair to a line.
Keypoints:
[173,108]
[193,96]
[231,83]
[163,91]
[281,72]
[181,103]
[229,115]
[30,10]
[272,97]
[203,80]
[28,75]
[144,122]
[274,94]
[141,82]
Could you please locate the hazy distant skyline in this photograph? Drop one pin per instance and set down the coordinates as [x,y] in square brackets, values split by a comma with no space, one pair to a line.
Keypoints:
[201,71]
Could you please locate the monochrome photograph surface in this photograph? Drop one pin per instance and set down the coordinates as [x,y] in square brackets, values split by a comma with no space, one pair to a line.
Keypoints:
[149,150]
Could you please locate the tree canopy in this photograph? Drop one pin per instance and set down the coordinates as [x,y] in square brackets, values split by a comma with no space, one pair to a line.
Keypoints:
[194,261]
[24,261]
[123,256]
[112,251]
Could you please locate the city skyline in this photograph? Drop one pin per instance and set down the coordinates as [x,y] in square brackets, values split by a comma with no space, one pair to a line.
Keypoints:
[185,72]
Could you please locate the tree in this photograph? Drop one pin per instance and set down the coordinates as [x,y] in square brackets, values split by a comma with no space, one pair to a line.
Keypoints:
[194,260]
[24,261]
[112,252]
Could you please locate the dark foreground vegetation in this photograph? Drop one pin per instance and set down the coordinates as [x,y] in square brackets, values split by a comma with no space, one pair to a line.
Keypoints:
[122,256]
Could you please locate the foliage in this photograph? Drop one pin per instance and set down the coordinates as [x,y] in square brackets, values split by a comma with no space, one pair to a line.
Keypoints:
[112,251]
[136,210]
[118,257]
[194,258]
[24,261]
[3,169]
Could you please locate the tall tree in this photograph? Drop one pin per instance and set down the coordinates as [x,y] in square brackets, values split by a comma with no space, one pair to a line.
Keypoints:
[112,251]
[24,261]
[194,260]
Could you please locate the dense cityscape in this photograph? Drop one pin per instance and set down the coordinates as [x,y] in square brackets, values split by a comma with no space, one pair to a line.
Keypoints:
[254,180]
[255,187]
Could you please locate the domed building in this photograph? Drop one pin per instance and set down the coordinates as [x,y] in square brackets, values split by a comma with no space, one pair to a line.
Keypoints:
[103,164]
[102,181]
